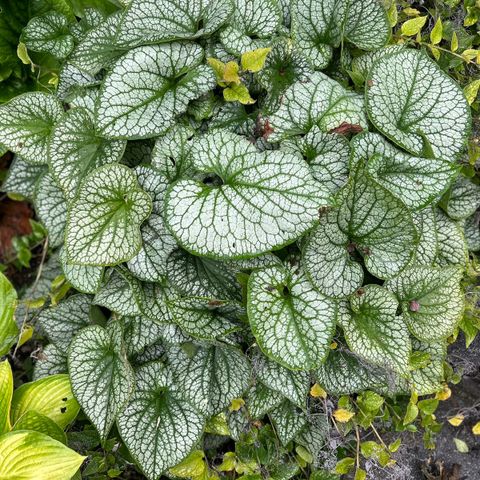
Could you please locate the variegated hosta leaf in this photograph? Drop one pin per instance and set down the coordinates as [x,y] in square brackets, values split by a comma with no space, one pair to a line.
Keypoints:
[288,421]
[472,232]
[63,321]
[203,318]
[252,21]
[414,103]
[49,33]
[51,208]
[261,399]
[292,322]
[416,181]
[50,361]
[150,21]
[327,154]
[291,384]
[322,102]
[85,279]
[431,300]
[26,123]
[248,202]
[102,379]
[374,331]
[148,80]
[75,149]
[159,426]
[317,26]
[22,177]
[212,376]
[463,199]
[171,154]
[429,379]
[150,263]
[103,226]
[344,374]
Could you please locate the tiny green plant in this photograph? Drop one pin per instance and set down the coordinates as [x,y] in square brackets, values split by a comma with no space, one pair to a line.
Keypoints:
[248,198]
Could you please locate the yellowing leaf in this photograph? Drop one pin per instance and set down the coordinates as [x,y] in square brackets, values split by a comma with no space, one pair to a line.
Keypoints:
[444,394]
[454,44]
[218,67]
[238,93]
[255,60]
[191,466]
[26,335]
[437,32]
[360,474]
[411,12]
[333,345]
[228,463]
[342,415]
[462,447]
[476,429]
[456,420]
[6,392]
[237,404]
[318,392]
[230,74]
[413,26]
[470,53]
[471,91]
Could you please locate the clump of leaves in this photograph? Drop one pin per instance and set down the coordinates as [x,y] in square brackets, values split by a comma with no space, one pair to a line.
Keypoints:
[247,229]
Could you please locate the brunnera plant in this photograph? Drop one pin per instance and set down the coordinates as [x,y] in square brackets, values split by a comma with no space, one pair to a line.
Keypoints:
[253,222]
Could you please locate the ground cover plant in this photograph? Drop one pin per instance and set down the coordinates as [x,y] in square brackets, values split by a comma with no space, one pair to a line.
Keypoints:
[258,216]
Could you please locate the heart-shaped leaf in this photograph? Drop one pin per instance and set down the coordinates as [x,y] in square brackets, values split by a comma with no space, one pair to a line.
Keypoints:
[248,202]
[462,200]
[103,226]
[85,279]
[415,104]
[429,379]
[50,361]
[288,421]
[22,177]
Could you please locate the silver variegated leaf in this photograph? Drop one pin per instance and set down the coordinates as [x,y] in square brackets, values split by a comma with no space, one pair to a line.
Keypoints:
[102,379]
[261,399]
[472,232]
[288,421]
[363,63]
[50,361]
[85,279]
[451,246]
[415,104]
[22,177]
[103,226]
[140,332]
[463,199]
[429,379]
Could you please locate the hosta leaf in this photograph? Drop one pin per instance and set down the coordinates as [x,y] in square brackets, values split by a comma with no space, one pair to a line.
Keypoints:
[102,379]
[85,279]
[62,322]
[51,208]
[463,199]
[49,33]
[431,300]
[288,421]
[374,331]
[415,104]
[148,80]
[149,21]
[75,150]
[292,322]
[159,426]
[37,422]
[6,392]
[50,396]
[211,377]
[327,154]
[22,177]
[428,379]
[248,202]
[203,318]
[26,123]
[261,400]
[28,454]
[8,326]
[320,102]
[416,181]
[103,226]
[50,361]
[291,384]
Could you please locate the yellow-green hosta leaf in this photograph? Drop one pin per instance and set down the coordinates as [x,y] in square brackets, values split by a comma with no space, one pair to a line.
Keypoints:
[415,104]
[431,300]
[374,331]
[50,396]
[30,455]
[147,80]
[103,225]
[320,102]
[102,379]
[6,392]
[247,203]
[26,123]
[159,426]
[8,304]
[75,149]
[37,422]
[254,60]
[292,322]
[416,181]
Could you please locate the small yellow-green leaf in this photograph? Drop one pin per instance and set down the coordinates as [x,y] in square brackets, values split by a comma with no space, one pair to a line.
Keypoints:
[317,391]
[26,335]
[457,420]
[228,463]
[360,474]
[218,67]
[6,392]
[454,44]
[8,304]
[394,446]
[238,93]
[191,466]
[22,54]
[462,447]
[472,16]
[411,413]
[343,415]
[254,60]
[33,455]
[411,12]
[435,52]
[471,91]
[413,26]
[230,74]
[345,465]
[304,454]
[444,394]
[393,13]
[470,53]
[237,404]
[37,422]
[476,429]
[437,32]
[51,396]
